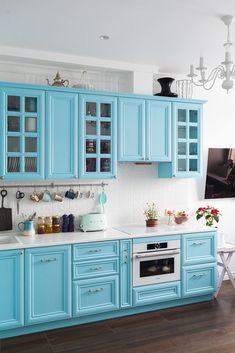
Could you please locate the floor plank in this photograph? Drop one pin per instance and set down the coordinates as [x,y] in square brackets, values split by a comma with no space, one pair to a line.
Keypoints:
[199,328]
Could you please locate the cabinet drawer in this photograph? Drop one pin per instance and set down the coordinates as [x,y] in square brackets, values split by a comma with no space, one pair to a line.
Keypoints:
[198,248]
[95,268]
[95,295]
[199,280]
[95,250]
[156,293]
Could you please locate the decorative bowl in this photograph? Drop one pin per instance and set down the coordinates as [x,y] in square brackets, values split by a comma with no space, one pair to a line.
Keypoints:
[181,219]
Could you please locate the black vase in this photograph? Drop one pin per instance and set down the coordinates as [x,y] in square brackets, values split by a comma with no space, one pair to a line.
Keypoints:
[166,83]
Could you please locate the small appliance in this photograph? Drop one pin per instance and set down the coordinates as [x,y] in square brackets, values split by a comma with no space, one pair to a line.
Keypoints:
[92,222]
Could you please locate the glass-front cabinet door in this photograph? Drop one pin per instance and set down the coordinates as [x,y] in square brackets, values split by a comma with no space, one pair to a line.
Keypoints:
[97,122]
[187,154]
[22,134]
[186,142]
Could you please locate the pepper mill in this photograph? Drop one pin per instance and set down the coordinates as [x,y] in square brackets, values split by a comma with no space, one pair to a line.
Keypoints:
[71,223]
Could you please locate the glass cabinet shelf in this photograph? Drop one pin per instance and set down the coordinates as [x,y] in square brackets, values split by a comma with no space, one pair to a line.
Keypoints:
[98,131]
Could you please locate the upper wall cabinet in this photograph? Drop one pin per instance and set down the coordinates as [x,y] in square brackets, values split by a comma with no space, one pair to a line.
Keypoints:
[144,128]
[186,142]
[97,136]
[21,134]
[61,135]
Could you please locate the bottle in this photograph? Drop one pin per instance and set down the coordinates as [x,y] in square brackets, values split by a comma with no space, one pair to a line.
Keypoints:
[56,224]
[41,225]
[48,225]
[65,223]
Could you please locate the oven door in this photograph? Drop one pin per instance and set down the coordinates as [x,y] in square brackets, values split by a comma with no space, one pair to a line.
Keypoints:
[156,267]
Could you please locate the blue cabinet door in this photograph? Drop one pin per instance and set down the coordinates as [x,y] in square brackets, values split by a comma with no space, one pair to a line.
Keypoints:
[11,289]
[22,134]
[131,130]
[126,273]
[97,136]
[158,131]
[199,279]
[47,284]
[199,248]
[186,142]
[93,296]
[61,135]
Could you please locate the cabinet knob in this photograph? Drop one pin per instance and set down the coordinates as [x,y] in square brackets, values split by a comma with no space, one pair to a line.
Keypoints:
[20,252]
[1,177]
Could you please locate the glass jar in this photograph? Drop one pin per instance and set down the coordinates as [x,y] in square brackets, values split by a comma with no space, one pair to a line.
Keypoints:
[48,225]
[41,225]
[56,224]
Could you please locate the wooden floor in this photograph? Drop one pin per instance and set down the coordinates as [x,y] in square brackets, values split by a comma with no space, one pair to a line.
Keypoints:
[202,328]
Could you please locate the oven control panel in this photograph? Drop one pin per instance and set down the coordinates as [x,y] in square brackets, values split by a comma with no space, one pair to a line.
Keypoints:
[157,246]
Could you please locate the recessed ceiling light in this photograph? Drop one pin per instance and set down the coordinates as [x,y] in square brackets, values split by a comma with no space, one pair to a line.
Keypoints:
[104,37]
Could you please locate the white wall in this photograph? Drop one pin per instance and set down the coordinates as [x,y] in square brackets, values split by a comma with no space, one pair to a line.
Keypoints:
[138,184]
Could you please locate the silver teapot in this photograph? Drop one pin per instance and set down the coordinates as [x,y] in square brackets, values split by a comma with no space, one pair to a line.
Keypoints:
[58,81]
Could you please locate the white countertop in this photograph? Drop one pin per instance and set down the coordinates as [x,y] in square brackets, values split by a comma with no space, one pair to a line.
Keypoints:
[120,232]
[137,230]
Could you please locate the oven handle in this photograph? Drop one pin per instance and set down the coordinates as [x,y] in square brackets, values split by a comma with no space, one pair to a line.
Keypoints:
[157,254]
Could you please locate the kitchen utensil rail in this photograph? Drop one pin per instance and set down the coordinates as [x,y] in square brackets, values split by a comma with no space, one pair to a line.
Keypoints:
[51,185]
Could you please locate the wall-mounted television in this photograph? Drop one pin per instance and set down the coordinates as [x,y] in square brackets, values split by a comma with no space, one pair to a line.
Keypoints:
[220,178]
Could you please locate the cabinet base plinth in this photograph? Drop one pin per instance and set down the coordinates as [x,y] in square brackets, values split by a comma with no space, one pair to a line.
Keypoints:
[103,316]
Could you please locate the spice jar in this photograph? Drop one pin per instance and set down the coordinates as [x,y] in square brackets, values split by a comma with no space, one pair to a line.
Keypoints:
[56,224]
[48,225]
[41,225]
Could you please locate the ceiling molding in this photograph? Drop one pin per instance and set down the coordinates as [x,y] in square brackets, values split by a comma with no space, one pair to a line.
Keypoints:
[53,58]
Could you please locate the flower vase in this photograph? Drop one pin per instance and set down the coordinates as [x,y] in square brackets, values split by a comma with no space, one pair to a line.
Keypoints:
[165,83]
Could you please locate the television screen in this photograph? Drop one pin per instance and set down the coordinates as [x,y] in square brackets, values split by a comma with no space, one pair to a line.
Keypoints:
[220,178]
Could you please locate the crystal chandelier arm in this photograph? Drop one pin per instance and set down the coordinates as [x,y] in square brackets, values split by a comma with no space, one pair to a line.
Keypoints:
[211,78]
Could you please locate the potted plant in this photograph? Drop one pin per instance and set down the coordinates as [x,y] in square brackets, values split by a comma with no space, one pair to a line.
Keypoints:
[210,214]
[151,214]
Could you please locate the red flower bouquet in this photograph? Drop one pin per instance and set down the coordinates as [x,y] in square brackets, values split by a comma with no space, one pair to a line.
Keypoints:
[210,214]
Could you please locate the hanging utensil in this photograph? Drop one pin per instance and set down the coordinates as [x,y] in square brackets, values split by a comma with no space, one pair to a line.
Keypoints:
[19,196]
[5,214]
[103,199]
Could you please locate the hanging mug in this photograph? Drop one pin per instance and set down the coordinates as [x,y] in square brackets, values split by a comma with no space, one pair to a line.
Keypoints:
[27,227]
[70,194]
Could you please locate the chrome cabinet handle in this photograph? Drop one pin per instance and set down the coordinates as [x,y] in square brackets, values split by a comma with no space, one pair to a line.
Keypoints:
[95,268]
[93,291]
[200,243]
[198,276]
[96,250]
[48,260]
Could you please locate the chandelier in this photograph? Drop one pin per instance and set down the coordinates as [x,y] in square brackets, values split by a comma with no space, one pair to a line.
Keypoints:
[225,71]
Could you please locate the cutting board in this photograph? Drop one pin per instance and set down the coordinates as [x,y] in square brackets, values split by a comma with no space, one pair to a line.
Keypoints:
[5,214]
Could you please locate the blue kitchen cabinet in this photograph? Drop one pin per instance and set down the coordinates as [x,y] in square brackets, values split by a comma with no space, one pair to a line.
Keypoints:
[96,295]
[199,279]
[125,273]
[61,135]
[131,129]
[97,136]
[144,130]
[11,289]
[22,133]
[47,284]
[186,142]
[199,248]
[156,293]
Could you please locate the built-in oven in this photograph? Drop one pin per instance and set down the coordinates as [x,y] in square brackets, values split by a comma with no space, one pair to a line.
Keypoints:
[156,262]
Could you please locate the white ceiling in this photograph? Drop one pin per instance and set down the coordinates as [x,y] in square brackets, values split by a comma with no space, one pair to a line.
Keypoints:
[170,34]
